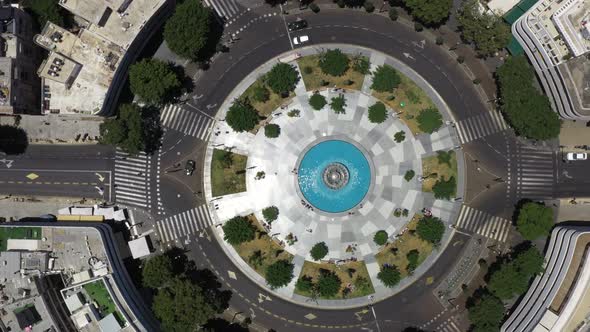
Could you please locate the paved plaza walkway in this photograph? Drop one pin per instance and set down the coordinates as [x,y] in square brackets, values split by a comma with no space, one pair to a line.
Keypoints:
[389,190]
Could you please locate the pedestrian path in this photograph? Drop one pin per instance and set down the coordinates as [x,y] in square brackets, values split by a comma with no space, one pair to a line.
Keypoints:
[448,326]
[483,223]
[184,224]
[132,185]
[224,8]
[535,172]
[481,125]
[190,123]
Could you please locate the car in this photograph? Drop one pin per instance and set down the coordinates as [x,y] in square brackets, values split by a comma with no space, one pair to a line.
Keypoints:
[189,168]
[297,25]
[576,156]
[300,40]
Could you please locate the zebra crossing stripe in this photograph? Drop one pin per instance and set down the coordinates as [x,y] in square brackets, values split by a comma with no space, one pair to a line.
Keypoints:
[184,224]
[483,223]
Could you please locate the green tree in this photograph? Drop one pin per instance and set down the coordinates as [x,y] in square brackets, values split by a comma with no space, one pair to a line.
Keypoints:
[380,237]
[153,81]
[157,271]
[529,262]
[241,116]
[385,79]
[45,10]
[282,78]
[486,313]
[279,274]
[445,157]
[328,284]
[445,188]
[487,31]
[304,284]
[400,136]
[409,175]
[260,93]
[389,275]
[126,130]
[270,213]
[317,101]
[334,62]
[512,277]
[377,112]
[413,256]
[272,130]
[534,220]
[182,306]
[526,109]
[338,104]
[319,251]
[429,12]
[429,120]
[188,31]
[430,229]
[361,64]
[238,230]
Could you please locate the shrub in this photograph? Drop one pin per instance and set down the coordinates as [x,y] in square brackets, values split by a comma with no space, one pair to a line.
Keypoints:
[334,62]
[338,104]
[361,64]
[279,274]
[241,116]
[418,26]
[238,230]
[460,59]
[319,251]
[380,237]
[282,78]
[445,188]
[393,14]
[362,284]
[341,3]
[389,275]
[413,97]
[534,220]
[476,81]
[304,284]
[445,157]
[294,113]
[385,79]
[409,175]
[377,112]
[369,7]
[429,120]
[430,229]
[270,213]
[260,93]
[439,40]
[317,101]
[307,69]
[314,7]
[328,284]
[272,130]
[412,256]
[400,136]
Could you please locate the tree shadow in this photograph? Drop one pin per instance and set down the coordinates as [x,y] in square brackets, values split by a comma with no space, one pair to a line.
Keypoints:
[187,84]
[13,140]
[152,129]
[210,48]
[221,325]
[517,208]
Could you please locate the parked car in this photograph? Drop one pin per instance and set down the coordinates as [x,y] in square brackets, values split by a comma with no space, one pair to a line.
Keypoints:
[189,168]
[300,40]
[297,25]
[571,156]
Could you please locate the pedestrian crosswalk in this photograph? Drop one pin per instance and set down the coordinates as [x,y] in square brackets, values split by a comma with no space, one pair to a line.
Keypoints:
[483,223]
[132,185]
[535,172]
[190,123]
[224,8]
[183,224]
[448,326]
[481,125]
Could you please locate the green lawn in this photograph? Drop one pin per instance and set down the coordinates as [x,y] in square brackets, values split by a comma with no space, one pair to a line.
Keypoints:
[358,270]
[228,180]
[97,291]
[431,166]
[18,233]
[269,106]
[314,79]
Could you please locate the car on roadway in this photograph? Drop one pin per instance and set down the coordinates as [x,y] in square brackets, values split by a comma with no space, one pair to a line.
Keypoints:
[572,156]
[300,40]
[189,168]
[297,25]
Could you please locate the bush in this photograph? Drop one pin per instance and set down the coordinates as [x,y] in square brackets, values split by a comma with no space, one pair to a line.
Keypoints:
[294,113]
[380,238]
[362,284]
[389,275]
[304,284]
[385,79]
[328,284]
[460,59]
[445,157]
[400,136]
[418,26]
[282,78]
[430,229]
[334,62]
[270,213]
[153,81]
[393,14]
[314,8]
[429,120]
[412,256]
[476,81]
[188,31]
[238,230]
[241,116]
[439,40]
[319,251]
[534,220]
[260,93]
[308,70]
[377,112]
[341,3]
[317,101]
[409,175]
[272,130]
[369,7]
[361,64]
[445,188]
[279,274]
[338,104]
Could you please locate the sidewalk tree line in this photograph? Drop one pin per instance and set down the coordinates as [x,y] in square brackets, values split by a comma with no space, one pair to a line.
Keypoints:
[486,31]
[534,220]
[188,31]
[154,81]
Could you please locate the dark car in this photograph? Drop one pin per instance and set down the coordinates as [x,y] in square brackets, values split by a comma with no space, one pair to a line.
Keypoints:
[189,168]
[297,25]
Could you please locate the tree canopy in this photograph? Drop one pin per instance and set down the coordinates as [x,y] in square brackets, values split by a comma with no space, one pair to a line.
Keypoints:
[380,237]
[429,12]
[512,277]
[430,229]
[334,62]
[377,112]
[328,284]
[133,130]
[13,140]
[486,313]
[238,230]
[385,79]
[338,104]
[487,31]
[43,11]
[389,275]
[157,271]
[279,274]
[188,30]
[270,213]
[413,256]
[534,220]
[319,251]
[241,116]
[153,81]
[272,130]
[317,101]
[526,109]
[282,78]
[445,189]
[429,120]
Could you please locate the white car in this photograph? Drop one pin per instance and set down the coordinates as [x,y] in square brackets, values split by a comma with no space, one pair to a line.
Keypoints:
[300,40]
[577,156]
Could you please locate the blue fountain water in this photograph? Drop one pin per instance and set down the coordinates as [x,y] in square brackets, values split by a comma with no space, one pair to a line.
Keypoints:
[331,188]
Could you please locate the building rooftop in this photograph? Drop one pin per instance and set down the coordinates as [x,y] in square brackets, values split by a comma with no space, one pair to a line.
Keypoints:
[571,20]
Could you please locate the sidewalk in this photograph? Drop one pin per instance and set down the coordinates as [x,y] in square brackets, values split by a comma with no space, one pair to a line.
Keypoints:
[57,129]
